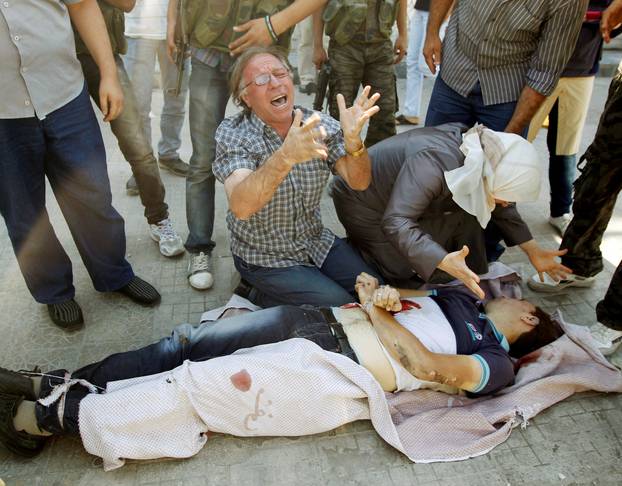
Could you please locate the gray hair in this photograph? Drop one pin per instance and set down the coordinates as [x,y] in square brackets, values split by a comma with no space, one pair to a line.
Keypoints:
[237,71]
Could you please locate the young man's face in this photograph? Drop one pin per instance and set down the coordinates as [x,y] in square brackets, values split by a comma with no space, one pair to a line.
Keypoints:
[510,307]
[272,102]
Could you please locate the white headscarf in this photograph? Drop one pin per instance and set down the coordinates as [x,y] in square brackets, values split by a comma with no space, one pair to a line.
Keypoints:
[497,165]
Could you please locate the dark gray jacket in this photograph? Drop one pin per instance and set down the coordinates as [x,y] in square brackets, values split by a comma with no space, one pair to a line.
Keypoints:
[407,220]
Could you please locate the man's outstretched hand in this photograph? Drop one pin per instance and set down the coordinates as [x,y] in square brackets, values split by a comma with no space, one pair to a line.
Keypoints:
[455,265]
[353,119]
[305,140]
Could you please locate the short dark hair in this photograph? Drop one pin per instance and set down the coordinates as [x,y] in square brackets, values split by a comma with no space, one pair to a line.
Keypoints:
[544,333]
[237,71]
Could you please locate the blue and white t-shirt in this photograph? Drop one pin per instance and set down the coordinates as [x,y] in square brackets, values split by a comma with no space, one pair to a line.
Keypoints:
[452,322]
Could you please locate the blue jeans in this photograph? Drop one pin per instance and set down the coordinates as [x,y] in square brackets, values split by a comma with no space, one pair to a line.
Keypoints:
[140,62]
[67,148]
[209,94]
[561,170]
[446,106]
[207,341]
[330,285]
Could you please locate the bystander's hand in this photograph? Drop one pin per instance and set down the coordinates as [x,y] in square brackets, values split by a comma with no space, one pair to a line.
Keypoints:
[353,119]
[546,261]
[319,56]
[110,97]
[455,265]
[387,298]
[400,48]
[612,18]
[256,33]
[432,51]
[304,141]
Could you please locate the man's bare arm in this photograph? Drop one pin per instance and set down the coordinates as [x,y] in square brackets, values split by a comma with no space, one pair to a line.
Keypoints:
[461,371]
[526,107]
[250,190]
[401,42]
[125,5]
[89,22]
[256,31]
[439,9]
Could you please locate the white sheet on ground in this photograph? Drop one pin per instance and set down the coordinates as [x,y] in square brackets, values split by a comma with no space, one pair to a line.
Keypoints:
[295,388]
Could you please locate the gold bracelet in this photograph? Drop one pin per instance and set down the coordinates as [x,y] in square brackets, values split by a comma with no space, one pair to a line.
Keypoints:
[357,153]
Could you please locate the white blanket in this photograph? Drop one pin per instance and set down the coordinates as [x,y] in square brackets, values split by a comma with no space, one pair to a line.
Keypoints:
[296,388]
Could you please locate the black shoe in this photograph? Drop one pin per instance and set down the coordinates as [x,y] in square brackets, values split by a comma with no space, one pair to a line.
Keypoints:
[16,383]
[67,315]
[243,289]
[19,443]
[141,292]
[176,166]
[131,188]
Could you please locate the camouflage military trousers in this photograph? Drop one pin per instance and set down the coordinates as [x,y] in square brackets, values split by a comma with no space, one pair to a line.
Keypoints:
[359,63]
[596,192]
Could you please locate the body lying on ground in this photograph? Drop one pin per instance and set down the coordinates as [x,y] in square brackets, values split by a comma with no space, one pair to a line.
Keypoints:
[444,340]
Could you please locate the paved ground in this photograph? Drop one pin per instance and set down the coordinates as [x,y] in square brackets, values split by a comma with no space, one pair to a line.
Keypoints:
[576,442]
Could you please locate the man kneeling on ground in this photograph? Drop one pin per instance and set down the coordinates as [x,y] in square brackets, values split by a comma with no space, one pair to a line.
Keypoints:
[443,339]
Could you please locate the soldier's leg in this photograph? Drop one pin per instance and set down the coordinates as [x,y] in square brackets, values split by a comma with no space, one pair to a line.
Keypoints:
[609,310]
[380,75]
[596,189]
[347,63]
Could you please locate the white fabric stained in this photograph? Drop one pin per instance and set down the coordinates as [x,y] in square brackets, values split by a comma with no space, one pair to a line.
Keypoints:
[312,391]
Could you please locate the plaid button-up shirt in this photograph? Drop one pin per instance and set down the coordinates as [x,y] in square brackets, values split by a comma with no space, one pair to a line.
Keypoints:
[507,44]
[288,230]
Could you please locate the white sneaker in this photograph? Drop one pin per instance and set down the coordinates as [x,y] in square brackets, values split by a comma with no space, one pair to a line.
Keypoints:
[200,271]
[169,241]
[551,286]
[560,223]
[608,339]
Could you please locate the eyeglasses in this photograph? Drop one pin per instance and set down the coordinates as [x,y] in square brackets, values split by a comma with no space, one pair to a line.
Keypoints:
[264,78]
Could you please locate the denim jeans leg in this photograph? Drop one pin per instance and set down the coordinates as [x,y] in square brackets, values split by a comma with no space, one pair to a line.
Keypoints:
[200,343]
[497,116]
[140,65]
[561,169]
[296,285]
[44,264]
[446,106]
[209,94]
[77,171]
[130,134]
[344,263]
[174,108]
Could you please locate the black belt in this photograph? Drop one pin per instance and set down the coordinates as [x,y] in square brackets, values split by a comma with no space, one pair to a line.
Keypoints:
[337,330]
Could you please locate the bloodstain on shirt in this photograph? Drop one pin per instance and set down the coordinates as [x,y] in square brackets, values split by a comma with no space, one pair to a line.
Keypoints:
[241,380]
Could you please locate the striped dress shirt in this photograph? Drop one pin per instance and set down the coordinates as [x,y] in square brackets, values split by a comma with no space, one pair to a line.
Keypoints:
[507,44]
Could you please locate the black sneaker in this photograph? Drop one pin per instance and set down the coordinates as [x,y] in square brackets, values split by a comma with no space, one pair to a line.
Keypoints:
[141,292]
[16,383]
[131,188]
[67,315]
[176,166]
[17,442]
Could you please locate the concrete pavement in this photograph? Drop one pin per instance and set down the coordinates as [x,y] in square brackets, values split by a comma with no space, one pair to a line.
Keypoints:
[578,441]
